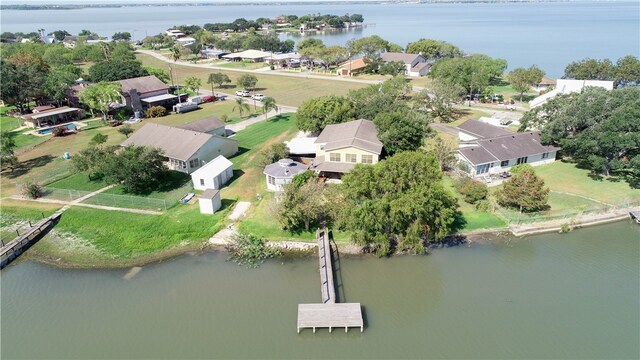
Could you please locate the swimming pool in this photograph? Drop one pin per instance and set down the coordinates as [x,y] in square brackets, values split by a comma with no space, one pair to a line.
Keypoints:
[70,126]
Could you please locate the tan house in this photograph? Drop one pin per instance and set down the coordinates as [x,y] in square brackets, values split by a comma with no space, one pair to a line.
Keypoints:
[340,147]
[145,91]
[185,150]
[352,67]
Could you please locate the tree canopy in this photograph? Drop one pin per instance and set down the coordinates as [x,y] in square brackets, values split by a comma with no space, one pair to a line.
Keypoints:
[314,114]
[625,72]
[434,49]
[599,129]
[473,73]
[522,79]
[398,203]
[247,81]
[524,191]
[100,96]
[114,70]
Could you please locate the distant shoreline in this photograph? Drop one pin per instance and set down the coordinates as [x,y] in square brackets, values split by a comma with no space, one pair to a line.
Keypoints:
[63,6]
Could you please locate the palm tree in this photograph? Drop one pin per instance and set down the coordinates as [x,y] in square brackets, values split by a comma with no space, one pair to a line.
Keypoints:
[241,106]
[268,104]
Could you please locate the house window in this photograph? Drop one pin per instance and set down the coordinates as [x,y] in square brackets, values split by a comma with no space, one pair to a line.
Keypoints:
[334,157]
[367,159]
[545,155]
[522,160]
[481,169]
[194,163]
[504,163]
[351,158]
[201,182]
[271,180]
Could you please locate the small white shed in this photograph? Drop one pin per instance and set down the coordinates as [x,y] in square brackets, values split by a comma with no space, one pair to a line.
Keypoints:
[210,201]
[213,175]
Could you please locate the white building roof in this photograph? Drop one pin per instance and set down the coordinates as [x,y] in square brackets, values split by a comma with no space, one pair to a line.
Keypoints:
[158,98]
[564,86]
[302,145]
[248,54]
[213,168]
[186,39]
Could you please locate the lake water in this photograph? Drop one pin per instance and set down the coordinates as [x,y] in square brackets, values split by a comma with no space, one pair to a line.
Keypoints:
[550,296]
[547,34]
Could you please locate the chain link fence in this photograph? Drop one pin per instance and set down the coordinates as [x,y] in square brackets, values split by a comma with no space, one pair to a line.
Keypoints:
[516,218]
[106,199]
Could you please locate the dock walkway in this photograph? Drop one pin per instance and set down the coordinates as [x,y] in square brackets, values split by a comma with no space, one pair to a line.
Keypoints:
[22,242]
[328,314]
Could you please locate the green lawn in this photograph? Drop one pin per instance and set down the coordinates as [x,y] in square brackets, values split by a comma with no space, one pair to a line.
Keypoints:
[252,140]
[286,90]
[263,223]
[566,177]
[242,65]
[172,189]
[216,108]
[472,218]
[79,182]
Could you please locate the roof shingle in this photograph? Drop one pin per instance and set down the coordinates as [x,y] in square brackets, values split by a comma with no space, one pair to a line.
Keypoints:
[361,134]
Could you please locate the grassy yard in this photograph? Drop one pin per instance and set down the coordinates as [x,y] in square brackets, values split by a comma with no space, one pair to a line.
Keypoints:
[464,114]
[217,108]
[286,90]
[261,222]
[249,178]
[242,65]
[566,177]
[8,123]
[473,219]
[79,182]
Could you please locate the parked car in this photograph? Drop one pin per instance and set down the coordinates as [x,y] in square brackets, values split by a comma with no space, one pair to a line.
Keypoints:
[505,122]
[208,98]
[243,93]
[257,97]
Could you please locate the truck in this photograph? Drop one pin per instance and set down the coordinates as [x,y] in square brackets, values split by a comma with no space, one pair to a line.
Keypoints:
[184,107]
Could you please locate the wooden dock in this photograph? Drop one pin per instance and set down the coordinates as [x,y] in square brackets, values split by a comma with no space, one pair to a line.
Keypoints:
[635,216]
[22,242]
[328,314]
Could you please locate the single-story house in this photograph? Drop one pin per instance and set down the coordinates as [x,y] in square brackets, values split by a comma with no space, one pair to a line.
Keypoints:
[248,55]
[544,84]
[73,93]
[213,175]
[210,125]
[474,130]
[184,150]
[212,54]
[284,60]
[186,41]
[340,147]
[415,64]
[53,116]
[174,33]
[146,91]
[564,86]
[352,67]
[70,41]
[282,172]
[494,155]
[210,201]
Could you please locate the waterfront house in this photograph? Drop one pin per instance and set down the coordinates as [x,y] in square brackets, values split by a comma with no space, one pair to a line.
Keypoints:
[352,67]
[282,172]
[209,201]
[184,150]
[210,125]
[564,86]
[544,84]
[213,175]
[488,150]
[185,41]
[248,55]
[174,33]
[415,65]
[212,54]
[284,60]
[142,92]
[340,147]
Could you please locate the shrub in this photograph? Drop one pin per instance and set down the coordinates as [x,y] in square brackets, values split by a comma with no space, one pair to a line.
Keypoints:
[472,190]
[250,250]
[484,205]
[565,228]
[32,190]
[155,112]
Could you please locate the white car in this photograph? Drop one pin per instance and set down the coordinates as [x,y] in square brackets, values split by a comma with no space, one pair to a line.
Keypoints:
[257,97]
[243,93]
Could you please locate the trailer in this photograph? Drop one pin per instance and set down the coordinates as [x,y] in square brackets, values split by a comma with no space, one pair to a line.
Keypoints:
[185,107]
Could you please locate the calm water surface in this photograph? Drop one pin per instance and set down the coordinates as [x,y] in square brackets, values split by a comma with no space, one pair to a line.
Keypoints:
[550,296]
[547,34]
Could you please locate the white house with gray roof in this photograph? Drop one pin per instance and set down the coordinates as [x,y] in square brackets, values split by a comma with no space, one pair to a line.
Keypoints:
[495,150]
[282,172]
[184,150]
[340,147]
[415,64]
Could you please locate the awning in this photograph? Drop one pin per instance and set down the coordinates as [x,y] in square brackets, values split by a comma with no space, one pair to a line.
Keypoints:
[157,98]
[45,114]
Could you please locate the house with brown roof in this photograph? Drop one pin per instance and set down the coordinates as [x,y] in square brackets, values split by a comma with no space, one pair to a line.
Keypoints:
[52,116]
[352,67]
[184,150]
[142,92]
[340,147]
[415,64]
[496,154]
[210,125]
[544,84]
